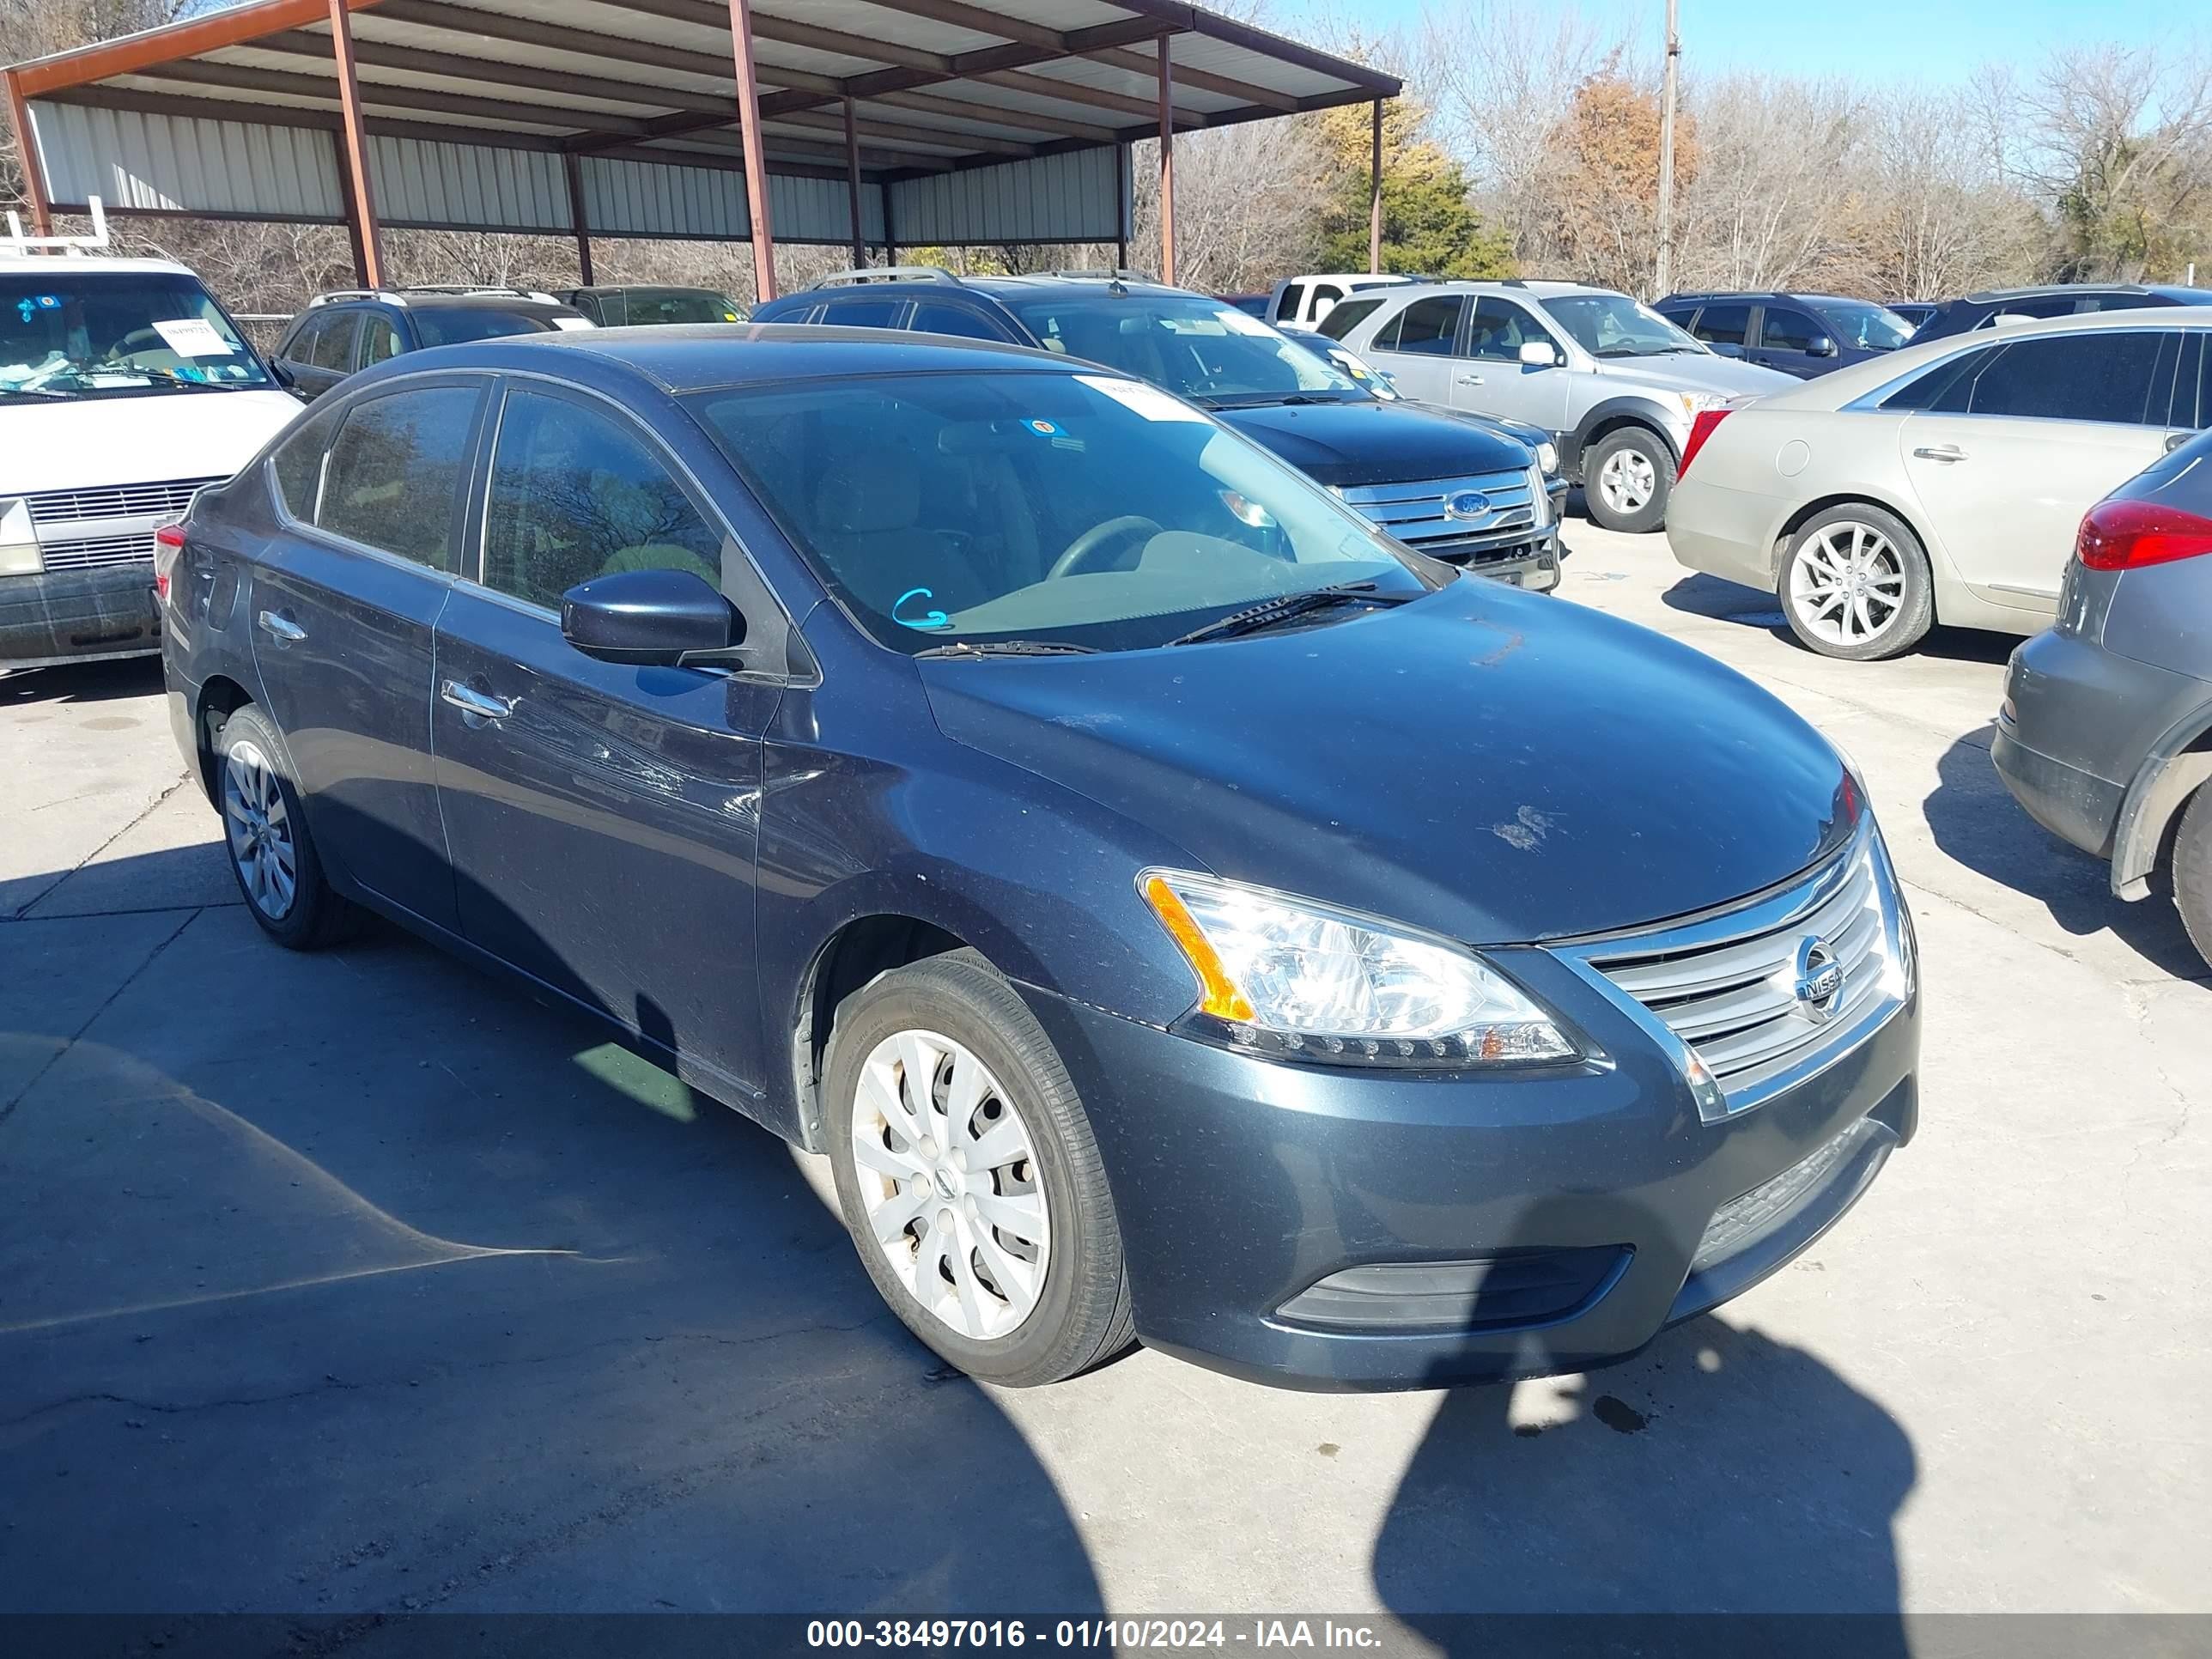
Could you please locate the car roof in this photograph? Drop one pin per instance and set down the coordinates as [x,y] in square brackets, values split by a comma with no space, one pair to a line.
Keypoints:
[698,356]
[1541,288]
[416,299]
[989,287]
[1796,297]
[27,264]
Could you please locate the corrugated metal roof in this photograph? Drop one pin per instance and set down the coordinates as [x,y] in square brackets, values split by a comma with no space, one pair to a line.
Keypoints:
[986,120]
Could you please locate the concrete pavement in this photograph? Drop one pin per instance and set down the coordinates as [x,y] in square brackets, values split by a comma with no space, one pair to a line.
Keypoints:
[358,1283]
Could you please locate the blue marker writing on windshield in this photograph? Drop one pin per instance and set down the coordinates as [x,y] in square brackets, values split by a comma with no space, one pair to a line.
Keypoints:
[930,619]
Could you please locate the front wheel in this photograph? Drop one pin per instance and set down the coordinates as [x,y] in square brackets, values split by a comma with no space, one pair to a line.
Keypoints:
[1630,474]
[968,1177]
[1856,585]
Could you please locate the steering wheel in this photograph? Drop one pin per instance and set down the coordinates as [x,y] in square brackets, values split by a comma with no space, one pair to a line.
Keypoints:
[1083,552]
[138,340]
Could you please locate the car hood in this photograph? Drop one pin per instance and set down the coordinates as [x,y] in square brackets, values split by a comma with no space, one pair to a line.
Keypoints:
[85,443]
[1372,443]
[1497,766]
[1696,370]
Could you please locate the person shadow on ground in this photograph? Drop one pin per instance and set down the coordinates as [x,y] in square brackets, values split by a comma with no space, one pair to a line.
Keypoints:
[1721,1471]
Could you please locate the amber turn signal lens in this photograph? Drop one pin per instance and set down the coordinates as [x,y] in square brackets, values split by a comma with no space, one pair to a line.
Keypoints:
[1218,994]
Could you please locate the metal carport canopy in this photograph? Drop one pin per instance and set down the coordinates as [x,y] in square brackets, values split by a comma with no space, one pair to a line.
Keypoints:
[862,122]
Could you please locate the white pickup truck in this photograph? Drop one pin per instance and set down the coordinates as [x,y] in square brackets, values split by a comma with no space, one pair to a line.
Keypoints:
[125,389]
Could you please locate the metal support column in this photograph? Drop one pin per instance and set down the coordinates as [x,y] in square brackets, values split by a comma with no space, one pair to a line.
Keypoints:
[360,200]
[852,186]
[749,125]
[1167,166]
[1375,196]
[34,177]
[579,218]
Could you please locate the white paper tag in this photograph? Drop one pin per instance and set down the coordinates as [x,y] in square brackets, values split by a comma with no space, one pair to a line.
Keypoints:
[1148,401]
[572,322]
[194,337]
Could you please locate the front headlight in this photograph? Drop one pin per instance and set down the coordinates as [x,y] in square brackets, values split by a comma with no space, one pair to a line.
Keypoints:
[1695,404]
[19,539]
[1290,977]
[1548,458]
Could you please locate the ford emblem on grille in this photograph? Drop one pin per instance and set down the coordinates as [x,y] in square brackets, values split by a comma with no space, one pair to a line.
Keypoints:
[1819,986]
[1464,504]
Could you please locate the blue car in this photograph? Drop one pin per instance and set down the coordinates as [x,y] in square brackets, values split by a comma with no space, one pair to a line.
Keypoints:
[1178,910]
[1806,335]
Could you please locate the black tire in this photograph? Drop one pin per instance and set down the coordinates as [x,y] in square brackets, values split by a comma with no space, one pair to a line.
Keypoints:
[1637,448]
[312,915]
[1910,616]
[2192,871]
[1081,1315]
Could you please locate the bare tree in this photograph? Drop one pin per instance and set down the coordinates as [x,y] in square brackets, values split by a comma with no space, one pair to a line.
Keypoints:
[1769,205]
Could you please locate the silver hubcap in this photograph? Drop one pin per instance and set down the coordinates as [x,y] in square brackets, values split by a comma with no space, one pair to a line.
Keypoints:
[1627,481]
[949,1180]
[260,830]
[1847,584]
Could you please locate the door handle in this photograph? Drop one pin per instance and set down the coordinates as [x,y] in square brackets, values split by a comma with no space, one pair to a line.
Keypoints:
[1467,379]
[481,704]
[1941,452]
[282,629]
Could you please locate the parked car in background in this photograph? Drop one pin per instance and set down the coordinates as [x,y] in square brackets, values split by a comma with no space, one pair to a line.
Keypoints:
[1470,493]
[2017,305]
[125,389]
[1944,483]
[1800,334]
[1305,301]
[637,307]
[2105,735]
[1613,383]
[1055,866]
[352,329]
[1914,312]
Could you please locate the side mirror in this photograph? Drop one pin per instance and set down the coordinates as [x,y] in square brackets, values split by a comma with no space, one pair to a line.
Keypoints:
[281,374]
[1540,354]
[1819,346]
[650,616]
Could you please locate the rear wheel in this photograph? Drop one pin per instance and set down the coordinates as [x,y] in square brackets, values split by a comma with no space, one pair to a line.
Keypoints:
[1629,473]
[968,1177]
[1855,585]
[2192,871]
[271,853]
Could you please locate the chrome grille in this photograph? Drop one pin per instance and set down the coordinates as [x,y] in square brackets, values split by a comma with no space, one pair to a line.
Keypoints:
[1414,512]
[1723,988]
[98,550]
[121,502]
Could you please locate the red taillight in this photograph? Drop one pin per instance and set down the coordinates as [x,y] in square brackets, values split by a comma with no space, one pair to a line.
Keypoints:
[2128,535]
[168,542]
[1700,429]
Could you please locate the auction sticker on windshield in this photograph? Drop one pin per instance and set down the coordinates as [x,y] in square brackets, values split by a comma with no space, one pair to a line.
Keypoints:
[1148,401]
[194,337]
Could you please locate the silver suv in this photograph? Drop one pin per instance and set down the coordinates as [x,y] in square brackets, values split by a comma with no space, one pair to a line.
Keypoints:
[1615,383]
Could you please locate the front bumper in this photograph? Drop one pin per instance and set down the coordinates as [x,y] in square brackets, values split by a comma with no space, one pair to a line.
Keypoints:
[1241,1184]
[78,616]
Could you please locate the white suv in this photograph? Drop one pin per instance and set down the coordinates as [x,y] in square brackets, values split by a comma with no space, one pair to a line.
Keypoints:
[1614,382]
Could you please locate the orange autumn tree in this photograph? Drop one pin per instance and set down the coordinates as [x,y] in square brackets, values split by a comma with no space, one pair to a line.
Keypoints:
[1605,184]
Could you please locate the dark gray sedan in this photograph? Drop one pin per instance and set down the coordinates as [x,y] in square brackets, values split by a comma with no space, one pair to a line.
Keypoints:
[2106,733]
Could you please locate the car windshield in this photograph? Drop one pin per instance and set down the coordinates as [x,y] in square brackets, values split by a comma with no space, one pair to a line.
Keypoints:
[67,333]
[1868,327]
[1614,325]
[1080,510]
[458,325]
[677,305]
[1211,352]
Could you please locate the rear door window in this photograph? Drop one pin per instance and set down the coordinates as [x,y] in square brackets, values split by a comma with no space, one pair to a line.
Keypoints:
[930,317]
[578,492]
[1427,327]
[333,346]
[863,313]
[1287,307]
[1723,325]
[394,478]
[379,340]
[2074,377]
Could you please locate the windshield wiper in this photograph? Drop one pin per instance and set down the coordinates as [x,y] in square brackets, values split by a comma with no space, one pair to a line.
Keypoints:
[34,391]
[1265,614]
[169,377]
[1009,648]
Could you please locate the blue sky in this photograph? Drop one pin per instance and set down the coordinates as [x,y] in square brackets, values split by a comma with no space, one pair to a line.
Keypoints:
[1910,40]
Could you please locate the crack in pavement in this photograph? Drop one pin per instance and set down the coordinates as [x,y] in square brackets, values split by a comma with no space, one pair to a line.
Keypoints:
[77,1035]
[151,807]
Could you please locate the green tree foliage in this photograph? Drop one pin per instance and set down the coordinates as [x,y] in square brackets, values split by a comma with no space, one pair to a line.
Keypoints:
[1429,226]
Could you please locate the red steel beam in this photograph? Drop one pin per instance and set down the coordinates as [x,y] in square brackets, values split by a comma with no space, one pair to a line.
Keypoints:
[34,177]
[360,198]
[749,124]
